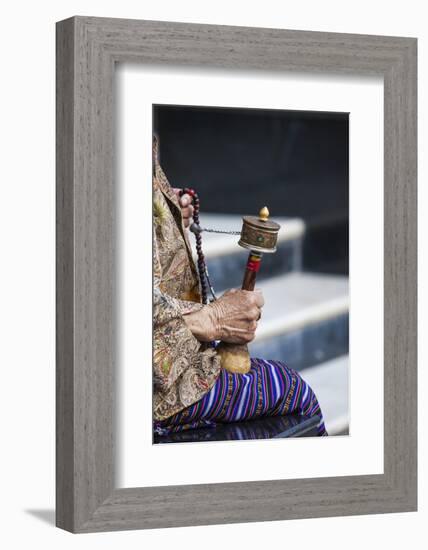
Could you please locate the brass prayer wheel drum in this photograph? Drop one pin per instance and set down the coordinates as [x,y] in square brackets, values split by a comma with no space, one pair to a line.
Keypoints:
[259,235]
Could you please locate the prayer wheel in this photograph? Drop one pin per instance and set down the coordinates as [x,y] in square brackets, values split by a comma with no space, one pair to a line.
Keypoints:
[259,235]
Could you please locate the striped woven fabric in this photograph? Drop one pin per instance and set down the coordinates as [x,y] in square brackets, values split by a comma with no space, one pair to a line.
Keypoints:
[269,389]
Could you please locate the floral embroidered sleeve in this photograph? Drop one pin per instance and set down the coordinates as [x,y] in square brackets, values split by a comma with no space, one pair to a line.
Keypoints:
[183,368]
[166,307]
[175,347]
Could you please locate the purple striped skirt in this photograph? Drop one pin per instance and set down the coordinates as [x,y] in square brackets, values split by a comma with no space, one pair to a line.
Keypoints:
[270,388]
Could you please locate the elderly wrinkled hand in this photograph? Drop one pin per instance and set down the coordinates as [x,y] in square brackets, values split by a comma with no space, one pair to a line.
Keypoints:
[232,318]
[185,202]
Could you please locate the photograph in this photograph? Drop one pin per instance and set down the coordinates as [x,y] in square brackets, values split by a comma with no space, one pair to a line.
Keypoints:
[250,273]
[236,254]
[211,254]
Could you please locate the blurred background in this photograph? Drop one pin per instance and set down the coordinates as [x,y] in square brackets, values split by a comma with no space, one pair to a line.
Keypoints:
[296,163]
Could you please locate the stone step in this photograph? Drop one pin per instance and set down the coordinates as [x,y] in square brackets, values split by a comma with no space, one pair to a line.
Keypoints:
[297,299]
[305,320]
[226,259]
[330,382]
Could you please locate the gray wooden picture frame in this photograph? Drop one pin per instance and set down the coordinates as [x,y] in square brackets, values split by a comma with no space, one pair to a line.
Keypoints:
[87,51]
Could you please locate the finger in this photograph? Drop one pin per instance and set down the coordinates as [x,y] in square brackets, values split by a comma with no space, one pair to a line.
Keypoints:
[252,326]
[230,291]
[253,313]
[185,200]
[243,338]
[249,337]
[186,212]
[258,298]
[253,295]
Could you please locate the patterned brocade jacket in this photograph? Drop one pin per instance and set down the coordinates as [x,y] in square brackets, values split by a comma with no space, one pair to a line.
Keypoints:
[184,369]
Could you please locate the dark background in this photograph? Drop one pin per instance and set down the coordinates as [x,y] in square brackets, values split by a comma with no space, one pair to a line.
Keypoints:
[238,160]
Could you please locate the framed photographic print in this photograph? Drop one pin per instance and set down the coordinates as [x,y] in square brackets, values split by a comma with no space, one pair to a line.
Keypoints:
[236,274]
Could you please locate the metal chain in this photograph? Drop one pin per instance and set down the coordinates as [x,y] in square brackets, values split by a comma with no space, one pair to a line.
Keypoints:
[197,229]
[224,232]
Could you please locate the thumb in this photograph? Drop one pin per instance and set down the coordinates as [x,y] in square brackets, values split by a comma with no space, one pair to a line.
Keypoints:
[230,291]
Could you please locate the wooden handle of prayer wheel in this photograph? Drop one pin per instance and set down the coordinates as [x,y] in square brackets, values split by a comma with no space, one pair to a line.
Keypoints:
[235,358]
[251,270]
